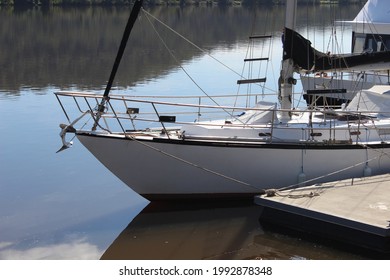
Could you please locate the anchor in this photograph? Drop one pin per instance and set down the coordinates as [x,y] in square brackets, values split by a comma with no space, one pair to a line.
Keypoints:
[65,128]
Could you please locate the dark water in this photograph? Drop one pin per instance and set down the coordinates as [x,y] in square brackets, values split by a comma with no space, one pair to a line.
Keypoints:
[67,205]
[215,231]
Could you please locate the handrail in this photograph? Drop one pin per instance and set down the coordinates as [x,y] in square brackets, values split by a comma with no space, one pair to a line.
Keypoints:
[319,130]
[130,99]
[82,93]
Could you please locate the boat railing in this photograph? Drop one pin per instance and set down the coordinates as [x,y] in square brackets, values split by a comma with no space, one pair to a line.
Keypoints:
[132,113]
[369,77]
[125,107]
[351,81]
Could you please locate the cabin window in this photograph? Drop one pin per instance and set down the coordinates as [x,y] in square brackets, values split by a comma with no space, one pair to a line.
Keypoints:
[371,45]
[358,43]
[380,46]
[370,42]
[383,42]
[386,47]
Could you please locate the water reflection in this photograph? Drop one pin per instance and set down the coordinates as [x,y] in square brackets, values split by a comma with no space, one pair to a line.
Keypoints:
[75,47]
[49,199]
[84,237]
[210,231]
[78,249]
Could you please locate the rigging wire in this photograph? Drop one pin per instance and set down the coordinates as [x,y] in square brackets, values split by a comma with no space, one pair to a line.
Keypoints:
[177,61]
[189,41]
[148,16]
[193,44]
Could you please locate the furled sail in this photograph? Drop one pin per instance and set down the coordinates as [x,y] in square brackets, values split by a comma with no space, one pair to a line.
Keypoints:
[307,58]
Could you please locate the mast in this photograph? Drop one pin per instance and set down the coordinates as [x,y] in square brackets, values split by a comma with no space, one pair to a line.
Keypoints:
[126,34]
[286,73]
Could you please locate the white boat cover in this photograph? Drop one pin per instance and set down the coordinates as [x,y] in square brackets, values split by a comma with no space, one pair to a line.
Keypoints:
[375,101]
[264,114]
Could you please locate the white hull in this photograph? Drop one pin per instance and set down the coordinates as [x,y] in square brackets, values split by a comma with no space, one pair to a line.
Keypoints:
[149,168]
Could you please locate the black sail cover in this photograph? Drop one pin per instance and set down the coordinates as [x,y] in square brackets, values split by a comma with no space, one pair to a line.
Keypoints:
[306,58]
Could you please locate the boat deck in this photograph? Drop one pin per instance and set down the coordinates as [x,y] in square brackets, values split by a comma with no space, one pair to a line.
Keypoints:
[354,211]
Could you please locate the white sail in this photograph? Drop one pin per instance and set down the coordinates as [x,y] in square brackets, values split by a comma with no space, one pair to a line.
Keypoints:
[374,11]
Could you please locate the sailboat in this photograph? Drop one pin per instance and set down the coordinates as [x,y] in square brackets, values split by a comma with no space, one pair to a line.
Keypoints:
[337,78]
[242,151]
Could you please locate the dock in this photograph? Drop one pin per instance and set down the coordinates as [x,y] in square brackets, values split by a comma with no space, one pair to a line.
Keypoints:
[354,211]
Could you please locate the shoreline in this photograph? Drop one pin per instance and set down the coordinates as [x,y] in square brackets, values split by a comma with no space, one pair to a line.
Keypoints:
[83,3]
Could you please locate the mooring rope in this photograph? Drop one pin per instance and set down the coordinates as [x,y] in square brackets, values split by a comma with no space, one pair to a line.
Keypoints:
[261,190]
